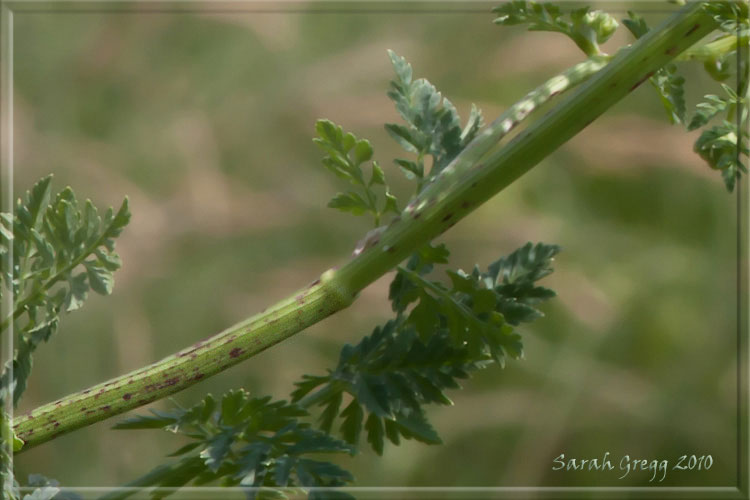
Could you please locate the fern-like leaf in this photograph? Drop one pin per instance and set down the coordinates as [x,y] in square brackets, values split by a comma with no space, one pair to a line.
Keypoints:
[242,441]
[345,156]
[61,250]
[433,126]
[412,360]
[722,147]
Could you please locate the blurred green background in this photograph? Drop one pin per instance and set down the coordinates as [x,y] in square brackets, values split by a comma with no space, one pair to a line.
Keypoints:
[204,119]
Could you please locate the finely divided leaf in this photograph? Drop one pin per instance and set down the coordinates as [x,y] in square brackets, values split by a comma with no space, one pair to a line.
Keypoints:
[635,24]
[720,148]
[411,361]
[706,110]
[254,442]
[61,250]
[345,156]
[432,125]
[349,202]
[671,91]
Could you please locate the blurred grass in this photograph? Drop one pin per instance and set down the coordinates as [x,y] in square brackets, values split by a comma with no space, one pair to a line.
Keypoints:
[205,121]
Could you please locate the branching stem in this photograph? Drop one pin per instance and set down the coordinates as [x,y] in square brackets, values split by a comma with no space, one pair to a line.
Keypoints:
[475,175]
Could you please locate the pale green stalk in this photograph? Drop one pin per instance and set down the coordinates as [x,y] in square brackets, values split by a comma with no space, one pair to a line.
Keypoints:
[474,176]
[716,49]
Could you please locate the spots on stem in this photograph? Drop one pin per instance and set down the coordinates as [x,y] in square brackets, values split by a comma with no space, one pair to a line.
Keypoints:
[236,352]
[646,77]
[692,30]
[156,386]
[146,400]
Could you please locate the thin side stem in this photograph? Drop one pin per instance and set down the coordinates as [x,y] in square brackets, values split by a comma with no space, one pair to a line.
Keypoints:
[474,176]
[715,49]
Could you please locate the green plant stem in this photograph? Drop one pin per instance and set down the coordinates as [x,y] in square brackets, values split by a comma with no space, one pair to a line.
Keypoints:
[479,172]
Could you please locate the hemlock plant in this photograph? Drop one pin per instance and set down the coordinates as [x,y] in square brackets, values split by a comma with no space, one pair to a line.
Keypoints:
[56,250]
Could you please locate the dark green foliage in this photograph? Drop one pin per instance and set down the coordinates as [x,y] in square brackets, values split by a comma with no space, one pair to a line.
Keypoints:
[587,28]
[635,24]
[733,21]
[410,361]
[345,155]
[481,308]
[732,16]
[719,147]
[60,251]
[390,375]
[433,126]
[671,88]
[725,146]
[402,290]
[712,106]
[242,441]
[719,68]
[514,277]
